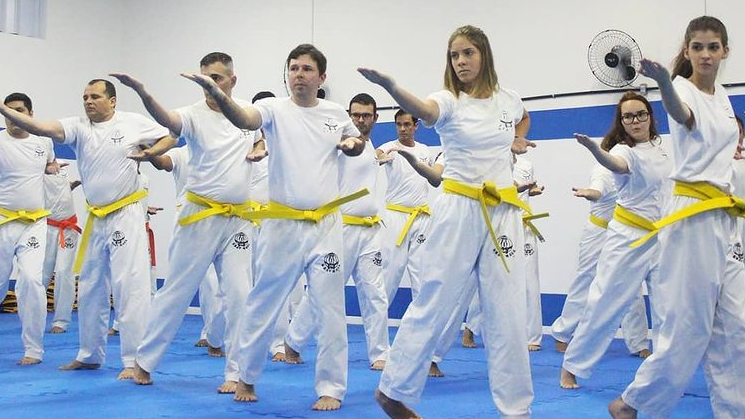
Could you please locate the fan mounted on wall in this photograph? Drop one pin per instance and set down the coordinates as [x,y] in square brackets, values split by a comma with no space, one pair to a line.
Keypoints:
[614,58]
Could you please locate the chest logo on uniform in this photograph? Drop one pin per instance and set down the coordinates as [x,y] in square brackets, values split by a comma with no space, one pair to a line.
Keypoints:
[330,125]
[508,247]
[505,123]
[40,152]
[245,134]
[331,263]
[421,238]
[69,243]
[118,239]
[32,242]
[737,252]
[240,241]
[117,137]
[378,259]
[529,250]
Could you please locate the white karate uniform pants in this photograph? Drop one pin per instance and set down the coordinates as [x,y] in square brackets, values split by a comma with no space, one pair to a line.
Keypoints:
[458,242]
[223,241]
[27,242]
[212,309]
[59,260]
[404,258]
[702,281]
[362,261]
[116,262]
[620,272]
[286,248]
[533,285]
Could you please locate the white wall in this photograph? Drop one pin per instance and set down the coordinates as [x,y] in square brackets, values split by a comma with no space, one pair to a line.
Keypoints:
[540,48]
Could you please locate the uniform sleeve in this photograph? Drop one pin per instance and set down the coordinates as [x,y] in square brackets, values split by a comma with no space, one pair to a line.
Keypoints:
[266,110]
[683,89]
[601,180]
[348,127]
[187,122]
[628,155]
[446,102]
[517,107]
[50,150]
[71,126]
[176,156]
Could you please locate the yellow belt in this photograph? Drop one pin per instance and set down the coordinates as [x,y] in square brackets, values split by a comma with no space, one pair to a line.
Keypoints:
[214,208]
[598,221]
[413,213]
[354,220]
[24,216]
[624,216]
[101,212]
[277,210]
[710,197]
[488,195]
[255,206]
[528,221]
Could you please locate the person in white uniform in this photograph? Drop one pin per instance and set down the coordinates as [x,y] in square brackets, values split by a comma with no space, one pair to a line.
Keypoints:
[23,231]
[63,235]
[113,248]
[407,207]
[211,307]
[361,234]
[479,218]
[601,192]
[214,214]
[701,277]
[640,167]
[303,230]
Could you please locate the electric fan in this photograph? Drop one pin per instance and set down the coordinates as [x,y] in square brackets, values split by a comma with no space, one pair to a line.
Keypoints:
[614,58]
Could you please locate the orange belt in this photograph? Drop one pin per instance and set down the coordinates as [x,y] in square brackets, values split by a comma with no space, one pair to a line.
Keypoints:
[151,242]
[68,223]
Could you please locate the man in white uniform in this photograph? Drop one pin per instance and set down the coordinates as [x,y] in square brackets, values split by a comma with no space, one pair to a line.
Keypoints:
[407,207]
[362,257]
[113,249]
[304,233]
[23,160]
[63,234]
[214,215]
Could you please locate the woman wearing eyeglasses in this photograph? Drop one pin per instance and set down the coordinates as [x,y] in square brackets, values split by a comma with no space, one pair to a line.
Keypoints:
[631,150]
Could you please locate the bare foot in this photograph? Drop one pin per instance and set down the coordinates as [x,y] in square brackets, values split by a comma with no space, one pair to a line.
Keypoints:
[57,329]
[568,380]
[292,356]
[113,332]
[27,360]
[468,341]
[77,365]
[126,374]
[245,393]
[201,343]
[644,353]
[326,403]
[228,387]
[393,408]
[533,348]
[141,377]
[279,357]
[620,410]
[561,347]
[434,370]
[378,365]
[215,352]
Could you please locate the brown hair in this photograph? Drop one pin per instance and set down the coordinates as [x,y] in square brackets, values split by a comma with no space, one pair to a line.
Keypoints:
[682,65]
[617,134]
[486,82]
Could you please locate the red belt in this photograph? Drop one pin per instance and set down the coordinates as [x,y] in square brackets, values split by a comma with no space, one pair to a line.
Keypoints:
[151,241]
[69,223]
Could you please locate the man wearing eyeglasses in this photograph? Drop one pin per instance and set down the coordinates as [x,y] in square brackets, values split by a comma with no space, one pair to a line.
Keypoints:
[362,258]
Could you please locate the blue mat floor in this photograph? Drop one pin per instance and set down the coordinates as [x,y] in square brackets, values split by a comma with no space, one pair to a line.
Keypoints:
[186,382]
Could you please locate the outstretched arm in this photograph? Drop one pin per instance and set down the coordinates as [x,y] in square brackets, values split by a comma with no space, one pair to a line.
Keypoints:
[258,152]
[169,119]
[243,118]
[351,146]
[426,110]
[433,173]
[51,129]
[164,144]
[677,110]
[610,162]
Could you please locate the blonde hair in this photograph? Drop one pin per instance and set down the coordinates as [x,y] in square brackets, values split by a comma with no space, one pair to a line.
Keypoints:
[486,82]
